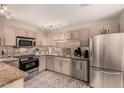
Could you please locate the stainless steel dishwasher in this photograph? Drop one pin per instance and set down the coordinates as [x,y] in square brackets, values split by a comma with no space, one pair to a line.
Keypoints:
[80,69]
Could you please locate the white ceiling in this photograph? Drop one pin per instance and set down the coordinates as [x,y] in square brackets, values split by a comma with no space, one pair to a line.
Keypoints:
[50,14]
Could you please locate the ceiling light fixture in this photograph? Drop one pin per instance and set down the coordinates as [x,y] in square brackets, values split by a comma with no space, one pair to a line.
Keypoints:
[52,27]
[4,10]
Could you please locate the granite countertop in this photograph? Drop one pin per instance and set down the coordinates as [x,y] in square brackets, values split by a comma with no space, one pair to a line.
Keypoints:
[71,57]
[9,59]
[9,74]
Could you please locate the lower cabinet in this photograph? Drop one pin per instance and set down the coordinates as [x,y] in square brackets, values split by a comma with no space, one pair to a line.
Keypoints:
[67,67]
[50,63]
[71,67]
[63,65]
[58,65]
[42,63]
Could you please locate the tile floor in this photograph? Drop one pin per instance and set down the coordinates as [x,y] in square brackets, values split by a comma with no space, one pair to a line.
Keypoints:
[48,79]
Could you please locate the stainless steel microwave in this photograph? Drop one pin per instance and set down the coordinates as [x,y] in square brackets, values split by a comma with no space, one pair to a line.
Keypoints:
[25,42]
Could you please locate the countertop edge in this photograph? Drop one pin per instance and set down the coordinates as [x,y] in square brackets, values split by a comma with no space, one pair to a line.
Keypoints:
[71,57]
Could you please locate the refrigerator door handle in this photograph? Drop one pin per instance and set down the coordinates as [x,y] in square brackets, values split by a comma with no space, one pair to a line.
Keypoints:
[91,48]
[107,72]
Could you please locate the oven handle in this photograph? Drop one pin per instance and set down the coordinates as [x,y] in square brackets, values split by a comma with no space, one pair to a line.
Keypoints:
[30,61]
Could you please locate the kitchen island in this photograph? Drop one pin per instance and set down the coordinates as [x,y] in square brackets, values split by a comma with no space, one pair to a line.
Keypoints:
[11,77]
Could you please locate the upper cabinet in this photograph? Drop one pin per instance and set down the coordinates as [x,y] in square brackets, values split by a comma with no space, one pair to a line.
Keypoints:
[75,35]
[25,33]
[96,31]
[67,35]
[84,36]
[61,36]
[30,34]
[112,28]
[9,36]
[38,36]
[50,36]
[20,32]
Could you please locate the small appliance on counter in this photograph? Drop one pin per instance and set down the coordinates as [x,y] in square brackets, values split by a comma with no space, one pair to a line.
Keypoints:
[85,51]
[77,52]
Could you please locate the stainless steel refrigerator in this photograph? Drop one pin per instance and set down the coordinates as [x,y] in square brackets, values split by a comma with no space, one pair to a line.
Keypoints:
[107,61]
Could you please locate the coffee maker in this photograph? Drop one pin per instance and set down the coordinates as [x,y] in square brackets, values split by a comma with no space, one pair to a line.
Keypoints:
[77,52]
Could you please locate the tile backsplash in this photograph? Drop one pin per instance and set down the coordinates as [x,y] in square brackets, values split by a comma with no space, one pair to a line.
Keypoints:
[50,50]
[11,51]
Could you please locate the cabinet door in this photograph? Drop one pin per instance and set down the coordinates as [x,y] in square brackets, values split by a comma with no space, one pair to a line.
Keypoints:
[58,66]
[67,35]
[112,28]
[96,31]
[55,37]
[50,63]
[38,38]
[75,35]
[84,36]
[49,38]
[42,63]
[66,67]
[9,36]
[30,34]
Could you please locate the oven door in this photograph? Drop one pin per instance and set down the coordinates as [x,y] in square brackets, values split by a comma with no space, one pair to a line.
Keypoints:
[28,65]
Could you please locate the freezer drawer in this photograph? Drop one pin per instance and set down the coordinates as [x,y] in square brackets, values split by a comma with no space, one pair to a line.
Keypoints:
[100,78]
[80,69]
